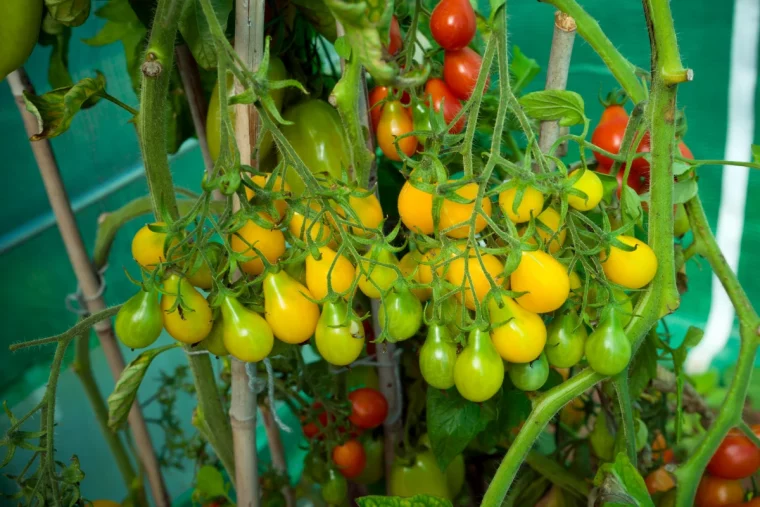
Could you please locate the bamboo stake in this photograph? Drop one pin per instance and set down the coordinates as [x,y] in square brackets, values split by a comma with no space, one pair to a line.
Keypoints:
[87,279]
[557,72]
[191,82]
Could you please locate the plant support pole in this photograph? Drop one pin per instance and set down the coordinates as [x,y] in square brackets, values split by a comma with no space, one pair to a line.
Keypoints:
[87,279]
[557,72]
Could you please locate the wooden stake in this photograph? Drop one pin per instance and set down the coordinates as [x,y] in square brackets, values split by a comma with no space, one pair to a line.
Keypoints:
[87,279]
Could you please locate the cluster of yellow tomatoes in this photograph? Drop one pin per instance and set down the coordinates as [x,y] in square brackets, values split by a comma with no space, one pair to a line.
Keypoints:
[518,332]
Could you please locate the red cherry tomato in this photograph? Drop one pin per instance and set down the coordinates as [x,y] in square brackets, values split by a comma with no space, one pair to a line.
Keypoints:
[609,137]
[452,24]
[376,95]
[716,492]
[312,429]
[368,408]
[396,39]
[685,151]
[439,93]
[350,458]
[613,112]
[736,458]
[395,121]
[460,71]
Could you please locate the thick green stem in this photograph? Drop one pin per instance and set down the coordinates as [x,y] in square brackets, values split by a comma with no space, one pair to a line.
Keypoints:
[83,369]
[152,125]
[589,29]
[544,409]
[345,97]
[730,412]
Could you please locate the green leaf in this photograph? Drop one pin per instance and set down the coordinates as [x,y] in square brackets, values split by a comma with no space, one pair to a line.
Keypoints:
[693,337]
[756,154]
[452,422]
[210,482]
[620,482]
[123,25]
[394,501]
[55,110]
[643,367]
[562,105]
[512,408]
[684,190]
[196,32]
[342,48]
[317,13]
[680,168]
[73,473]
[58,70]
[632,205]
[124,393]
[69,12]
[361,25]
[522,69]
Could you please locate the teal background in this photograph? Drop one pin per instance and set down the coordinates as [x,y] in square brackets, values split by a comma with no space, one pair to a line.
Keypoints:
[100,164]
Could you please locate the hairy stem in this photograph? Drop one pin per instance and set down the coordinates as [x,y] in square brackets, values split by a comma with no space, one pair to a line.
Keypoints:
[589,29]
[626,414]
[152,132]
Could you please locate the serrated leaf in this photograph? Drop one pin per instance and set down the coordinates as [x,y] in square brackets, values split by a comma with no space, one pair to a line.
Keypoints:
[210,482]
[342,48]
[394,501]
[56,109]
[562,105]
[684,190]
[363,36]
[124,393]
[522,69]
[196,32]
[452,422]
[620,482]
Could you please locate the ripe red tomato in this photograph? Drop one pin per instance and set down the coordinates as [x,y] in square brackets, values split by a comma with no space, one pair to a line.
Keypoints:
[460,71]
[396,39]
[452,24]
[736,458]
[609,137]
[715,492]
[613,112]
[440,92]
[376,95]
[685,151]
[350,458]
[311,429]
[368,408]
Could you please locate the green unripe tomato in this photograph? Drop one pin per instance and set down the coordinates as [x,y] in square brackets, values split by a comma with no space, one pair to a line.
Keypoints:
[138,323]
[20,22]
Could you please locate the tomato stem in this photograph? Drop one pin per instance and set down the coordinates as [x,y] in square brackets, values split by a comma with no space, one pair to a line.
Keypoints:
[626,412]
[747,430]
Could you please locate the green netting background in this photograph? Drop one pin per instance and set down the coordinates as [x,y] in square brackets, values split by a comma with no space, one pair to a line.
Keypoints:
[100,163]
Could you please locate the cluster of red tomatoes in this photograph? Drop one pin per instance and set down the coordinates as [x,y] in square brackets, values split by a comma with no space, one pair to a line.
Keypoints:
[452,25]
[608,136]
[736,459]
[355,459]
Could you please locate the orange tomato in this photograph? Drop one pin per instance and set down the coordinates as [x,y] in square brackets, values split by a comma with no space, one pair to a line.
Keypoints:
[269,242]
[455,214]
